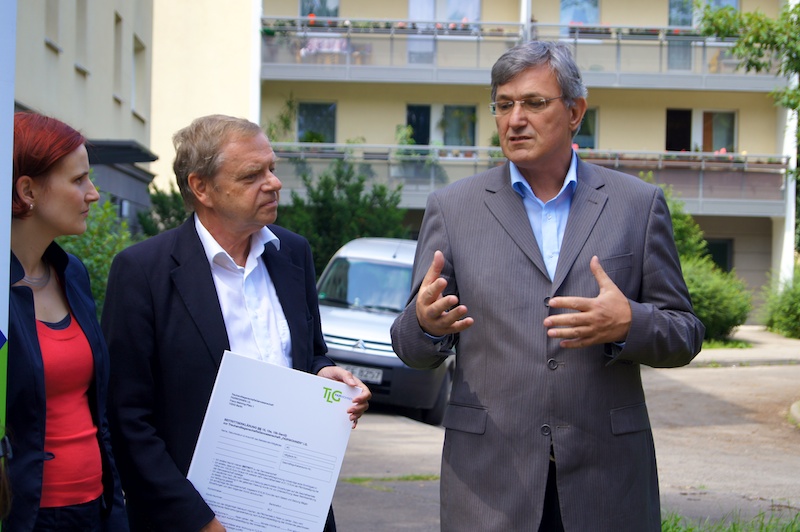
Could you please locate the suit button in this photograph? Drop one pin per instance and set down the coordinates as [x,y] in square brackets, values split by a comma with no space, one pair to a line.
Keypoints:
[547,301]
[552,364]
[545,430]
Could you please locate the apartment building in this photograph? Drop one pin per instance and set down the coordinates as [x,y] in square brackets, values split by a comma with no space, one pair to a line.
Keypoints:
[664,102]
[88,63]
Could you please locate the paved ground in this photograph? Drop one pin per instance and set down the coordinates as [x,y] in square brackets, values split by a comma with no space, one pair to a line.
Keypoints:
[725,443]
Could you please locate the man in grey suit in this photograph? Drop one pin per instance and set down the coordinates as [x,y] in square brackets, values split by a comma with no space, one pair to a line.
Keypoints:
[554,280]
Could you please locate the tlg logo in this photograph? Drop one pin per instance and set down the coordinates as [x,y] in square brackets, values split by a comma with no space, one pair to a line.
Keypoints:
[332,396]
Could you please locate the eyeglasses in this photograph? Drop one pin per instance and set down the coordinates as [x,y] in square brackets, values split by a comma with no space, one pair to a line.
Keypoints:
[529,105]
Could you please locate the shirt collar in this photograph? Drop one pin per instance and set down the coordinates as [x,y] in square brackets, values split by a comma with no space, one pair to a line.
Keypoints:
[523,188]
[217,255]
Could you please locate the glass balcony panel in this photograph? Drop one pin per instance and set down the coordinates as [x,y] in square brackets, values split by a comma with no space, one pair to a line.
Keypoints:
[351,44]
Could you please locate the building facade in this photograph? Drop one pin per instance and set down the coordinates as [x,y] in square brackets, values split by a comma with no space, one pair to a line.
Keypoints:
[665,103]
[88,63]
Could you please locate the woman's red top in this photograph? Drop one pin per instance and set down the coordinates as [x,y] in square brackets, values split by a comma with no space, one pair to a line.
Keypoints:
[73,473]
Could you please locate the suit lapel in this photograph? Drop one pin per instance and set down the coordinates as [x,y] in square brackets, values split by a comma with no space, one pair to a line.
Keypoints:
[289,285]
[587,204]
[507,207]
[195,286]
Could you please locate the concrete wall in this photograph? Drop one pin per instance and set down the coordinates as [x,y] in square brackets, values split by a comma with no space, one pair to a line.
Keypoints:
[752,251]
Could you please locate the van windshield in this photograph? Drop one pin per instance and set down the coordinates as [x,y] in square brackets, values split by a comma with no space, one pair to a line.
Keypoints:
[365,284]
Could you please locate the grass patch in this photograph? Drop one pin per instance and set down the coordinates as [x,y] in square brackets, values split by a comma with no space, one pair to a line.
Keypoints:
[726,344]
[760,523]
[402,478]
[375,482]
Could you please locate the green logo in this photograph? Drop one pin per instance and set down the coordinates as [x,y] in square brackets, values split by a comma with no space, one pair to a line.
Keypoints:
[331,395]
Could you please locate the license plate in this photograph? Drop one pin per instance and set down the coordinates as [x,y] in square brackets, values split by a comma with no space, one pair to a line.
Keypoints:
[372,375]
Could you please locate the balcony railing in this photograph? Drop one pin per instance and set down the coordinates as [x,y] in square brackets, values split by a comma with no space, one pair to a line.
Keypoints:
[356,46]
[707,182]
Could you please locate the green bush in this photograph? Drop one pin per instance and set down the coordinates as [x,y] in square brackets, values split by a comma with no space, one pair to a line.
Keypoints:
[105,236]
[783,307]
[166,211]
[721,300]
[338,207]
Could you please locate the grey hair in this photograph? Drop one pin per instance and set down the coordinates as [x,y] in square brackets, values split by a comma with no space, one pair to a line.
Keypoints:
[556,55]
[198,149]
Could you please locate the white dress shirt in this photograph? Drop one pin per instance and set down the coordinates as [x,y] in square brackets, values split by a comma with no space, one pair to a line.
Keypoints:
[253,315]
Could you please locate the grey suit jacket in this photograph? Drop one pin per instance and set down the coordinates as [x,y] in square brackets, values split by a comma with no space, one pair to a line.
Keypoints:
[516,392]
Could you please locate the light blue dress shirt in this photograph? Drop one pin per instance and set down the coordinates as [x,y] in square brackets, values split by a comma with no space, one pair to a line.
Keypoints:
[548,220]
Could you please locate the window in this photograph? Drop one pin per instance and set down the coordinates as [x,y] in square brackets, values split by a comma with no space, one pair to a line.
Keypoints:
[723,3]
[139,79]
[81,36]
[679,130]
[117,58]
[52,25]
[316,122]
[581,12]
[319,8]
[697,130]
[587,134]
[458,125]
[718,131]
[679,51]
[419,118]
[721,251]
[424,13]
[450,125]
[444,10]
[460,10]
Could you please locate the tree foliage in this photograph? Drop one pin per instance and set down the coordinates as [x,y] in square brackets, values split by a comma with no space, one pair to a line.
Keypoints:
[105,236]
[338,207]
[166,212]
[783,307]
[281,127]
[761,43]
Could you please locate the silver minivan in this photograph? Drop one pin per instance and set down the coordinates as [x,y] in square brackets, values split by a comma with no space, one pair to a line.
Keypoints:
[363,288]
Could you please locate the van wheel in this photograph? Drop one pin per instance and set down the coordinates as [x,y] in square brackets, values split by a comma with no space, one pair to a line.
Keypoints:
[435,414]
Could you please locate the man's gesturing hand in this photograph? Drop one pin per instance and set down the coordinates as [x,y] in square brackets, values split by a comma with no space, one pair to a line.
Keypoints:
[439,315]
[599,320]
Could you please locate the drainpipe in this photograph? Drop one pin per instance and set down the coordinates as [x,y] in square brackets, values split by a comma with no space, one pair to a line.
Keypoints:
[525,19]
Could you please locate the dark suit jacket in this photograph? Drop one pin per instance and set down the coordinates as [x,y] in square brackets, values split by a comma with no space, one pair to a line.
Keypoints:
[26,393]
[515,391]
[166,336]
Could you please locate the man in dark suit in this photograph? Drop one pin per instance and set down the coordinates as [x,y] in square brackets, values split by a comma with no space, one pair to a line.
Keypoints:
[554,280]
[225,279]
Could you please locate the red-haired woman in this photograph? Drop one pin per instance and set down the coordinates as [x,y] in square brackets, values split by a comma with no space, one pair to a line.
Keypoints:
[62,471]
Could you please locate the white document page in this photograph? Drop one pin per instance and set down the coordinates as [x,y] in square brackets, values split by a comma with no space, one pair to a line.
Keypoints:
[271,446]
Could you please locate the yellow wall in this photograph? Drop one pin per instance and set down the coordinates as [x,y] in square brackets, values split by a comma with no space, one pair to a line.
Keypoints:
[370,9]
[636,119]
[627,119]
[206,60]
[79,87]
[373,110]
[280,8]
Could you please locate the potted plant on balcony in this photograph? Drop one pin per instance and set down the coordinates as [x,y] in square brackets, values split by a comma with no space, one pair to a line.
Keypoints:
[592,32]
[644,32]
[496,156]
[415,164]
[461,122]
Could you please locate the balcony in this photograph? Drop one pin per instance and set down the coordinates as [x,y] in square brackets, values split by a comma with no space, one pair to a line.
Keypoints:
[463,53]
[707,183]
